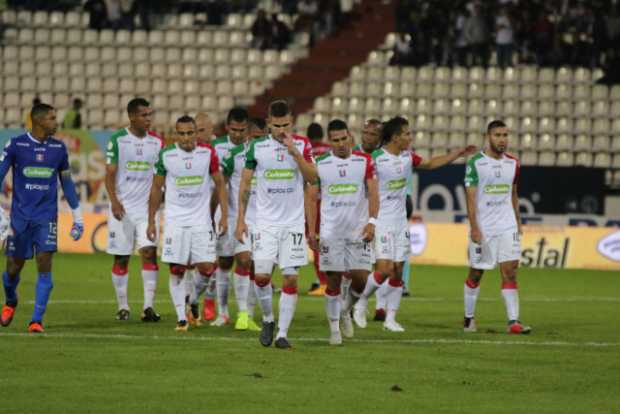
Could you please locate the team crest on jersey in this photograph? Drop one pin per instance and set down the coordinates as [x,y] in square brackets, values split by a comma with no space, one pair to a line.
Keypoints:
[139,151]
[342,172]
[39,157]
[279,157]
[188,165]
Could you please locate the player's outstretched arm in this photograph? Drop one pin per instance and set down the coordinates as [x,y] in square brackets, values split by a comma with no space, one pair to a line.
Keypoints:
[373,209]
[5,165]
[441,160]
[310,203]
[244,197]
[476,234]
[68,188]
[118,211]
[222,195]
[154,202]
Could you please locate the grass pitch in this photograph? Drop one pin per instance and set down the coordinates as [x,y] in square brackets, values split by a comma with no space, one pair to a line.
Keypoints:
[89,362]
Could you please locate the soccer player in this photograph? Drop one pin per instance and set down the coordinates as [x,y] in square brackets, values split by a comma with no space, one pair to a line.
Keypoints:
[258,128]
[491,180]
[281,162]
[183,169]
[349,208]
[371,137]
[315,135]
[130,158]
[394,163]
[204,128]
[38,161]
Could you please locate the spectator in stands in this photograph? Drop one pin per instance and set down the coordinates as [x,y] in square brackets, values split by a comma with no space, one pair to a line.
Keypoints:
[403,52]
[113,8]
[216,12]
[504,38]
[281,34]
[73,116]
[477,36]
[308,14]
[542,38]
[97,14]
[459,55]
[261,31]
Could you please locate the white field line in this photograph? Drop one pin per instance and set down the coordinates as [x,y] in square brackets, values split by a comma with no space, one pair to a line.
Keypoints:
[421,341]
[534,299]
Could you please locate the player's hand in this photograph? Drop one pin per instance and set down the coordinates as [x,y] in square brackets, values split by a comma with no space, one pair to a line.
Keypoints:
[368,234]
[468,150]
[151,232]
[241,231]
[5,224]
[223,226]
[289,142]
[77,230]
[118,211]
[313,241]
[476,235]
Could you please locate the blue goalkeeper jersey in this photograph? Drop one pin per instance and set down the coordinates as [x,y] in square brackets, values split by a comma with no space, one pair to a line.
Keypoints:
[35,166]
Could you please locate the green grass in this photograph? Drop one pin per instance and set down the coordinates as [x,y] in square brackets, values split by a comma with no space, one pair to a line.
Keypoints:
[88,362]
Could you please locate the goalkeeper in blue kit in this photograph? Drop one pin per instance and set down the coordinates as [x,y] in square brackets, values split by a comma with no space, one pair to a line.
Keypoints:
[38,162]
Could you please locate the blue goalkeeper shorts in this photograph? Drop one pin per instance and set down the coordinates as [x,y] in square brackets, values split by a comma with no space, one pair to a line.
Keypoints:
[28,237]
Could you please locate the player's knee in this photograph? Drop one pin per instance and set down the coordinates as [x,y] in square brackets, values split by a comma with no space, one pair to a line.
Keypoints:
[122,261]
[225,263]
[149,255]
[475,275]
[177,270]
[243,266]
[150,266]
[206,270]
[120,269]
[262,281]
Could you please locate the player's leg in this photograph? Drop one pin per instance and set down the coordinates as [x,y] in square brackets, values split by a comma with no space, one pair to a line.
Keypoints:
[332,262]
[209,312]
[148,254]
[383,270]
[120,244]
[252,300]
[381,301]
[43,289]
[510,294]
[225,252]
[292,254]
[177,294]
[242,287]
[10,280]
[394,294]
[471,290]
[265,252]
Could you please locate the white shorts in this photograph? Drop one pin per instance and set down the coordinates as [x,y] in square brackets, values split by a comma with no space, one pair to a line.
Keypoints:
[343,255]
[188,245]
[284,246]
[392,243]
[128,233]
[229,246]
[502,248]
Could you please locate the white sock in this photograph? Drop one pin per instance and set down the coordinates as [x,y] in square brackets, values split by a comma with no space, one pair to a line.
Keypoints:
[188,278]
[264,294]
[199,285]
[381,295]
[511,300]
[242,287]
[333,306]
[177,293]
[393,296]
[345,285]
[120,287]
[222,278]
[350,300]
[371,286]
[251,299]
[210,292]
[470,296]
[288,302]
[149,280]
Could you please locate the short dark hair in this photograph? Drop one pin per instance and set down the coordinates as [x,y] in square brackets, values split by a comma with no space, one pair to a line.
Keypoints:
[495,124]
[337,125]
[315,131]
[279,108]
[39,110]
[258,122]
[392,127]
[132,106]
[237,114]
[186,119]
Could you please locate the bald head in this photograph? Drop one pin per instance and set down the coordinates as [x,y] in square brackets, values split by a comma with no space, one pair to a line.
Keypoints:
[204,127]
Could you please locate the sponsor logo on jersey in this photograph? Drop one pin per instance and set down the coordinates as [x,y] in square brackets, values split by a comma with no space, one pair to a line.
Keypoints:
[342,189]
[37,187]
[22,144]
[279,174]
[189,180]
[138,166]
[496,188]
[38,172]
[397,184]
[55,145]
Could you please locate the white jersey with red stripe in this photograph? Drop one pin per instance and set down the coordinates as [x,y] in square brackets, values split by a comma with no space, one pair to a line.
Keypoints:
[188,184]
[393,172]
[344,198]
[279,182]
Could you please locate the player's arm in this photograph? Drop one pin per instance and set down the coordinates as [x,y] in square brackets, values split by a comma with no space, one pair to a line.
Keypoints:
[311,194]
[372,188]
[441,160]
[68,188]
[6,161]
[515,207]
[245,186]
[471,188]
[304,161]
[222,195]
[157,192]
[111,168]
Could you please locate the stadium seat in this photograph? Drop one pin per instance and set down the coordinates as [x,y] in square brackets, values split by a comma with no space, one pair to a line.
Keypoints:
[124,54]
[173,54]
[421,139]
[143,86]
[458,123]
[475,91]
[11,84]
[511,107]
[601,126]
[546,125]
[600,109]
[547,159]
[564,159]
[546,92]
[176,102]
[475,107]
[602,160]
[372,108]
[392,73]
[172,38]
[528,108]
[408,89]
[12,117]
[475,138]
[616,165]
[458,90]
[546,142]
[601,143]
[408,74]
[529,158]
[546,108]
[529,92]
[44,84]
[422,90]
[510,92]
[493,108]
[583,126]
[106,37]
[11,99]
[582,92]
[423,106]
[493,75]
[441,107]
[583,143]
[564,126]
[374,89]
[425,75]
[239,56]
[406,106]
[440,123]
[582,75]
[456,140]
[106,54]
[546,76]
[389,107]
[423,123]
[391,89]
[11,67]
[563,92]
[475,124]
[564,142]
[527,143]
[457,107]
